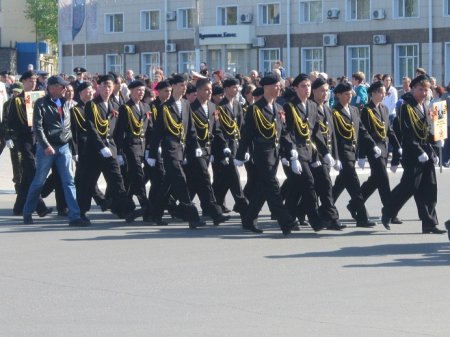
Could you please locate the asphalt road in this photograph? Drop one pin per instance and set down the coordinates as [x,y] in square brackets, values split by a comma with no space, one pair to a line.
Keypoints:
[134,281]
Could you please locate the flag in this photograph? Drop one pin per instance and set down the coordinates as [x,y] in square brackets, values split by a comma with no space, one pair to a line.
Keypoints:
[78,12]
[64,20]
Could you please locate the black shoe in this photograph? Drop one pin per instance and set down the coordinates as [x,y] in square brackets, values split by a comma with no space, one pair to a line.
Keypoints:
[396,221]
[196,224]
[352,211]
[158,222]
[47,211]
[386,221]
[85,218]
[63,212]
[27,220]
[317,226]
[17,213]
[106,204]
[366,224]
[303,222]
[131,216]
[252,228]
[296,226]
[287,229]
[220,219]
[433,230]
[335,225]
[79,223]
[225,209]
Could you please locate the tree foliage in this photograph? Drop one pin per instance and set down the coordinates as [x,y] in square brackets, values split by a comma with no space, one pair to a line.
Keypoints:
[44,14]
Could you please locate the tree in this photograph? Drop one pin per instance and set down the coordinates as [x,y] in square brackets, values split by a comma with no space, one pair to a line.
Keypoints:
[44,14]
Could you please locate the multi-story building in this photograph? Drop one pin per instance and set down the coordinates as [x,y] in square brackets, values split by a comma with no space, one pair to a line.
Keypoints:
[337,37]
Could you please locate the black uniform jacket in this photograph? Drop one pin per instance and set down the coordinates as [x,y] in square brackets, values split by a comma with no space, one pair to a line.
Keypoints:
[204,124]
[327,129]
[18,121]
[78,125]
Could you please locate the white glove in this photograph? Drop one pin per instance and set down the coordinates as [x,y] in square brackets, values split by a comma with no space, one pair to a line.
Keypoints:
[106,152]
[338,165]
[436,160]
[394,168]
[146,154]
[400,151]
[328,159]
[316,164]
[285,162]
[423,158]
[211,158]
[377,151]
[440,143]
[246,157]
[75,158]
[238,162]
[226,151]
[227,160]
[198,152]
[151,162]
[294,155]
[9,144]
[361,163]
[184,162]
[120,160]
[159,150]
[296,167]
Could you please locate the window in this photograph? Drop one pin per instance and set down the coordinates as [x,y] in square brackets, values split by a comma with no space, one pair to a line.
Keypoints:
[358,9]
[235,62]
[446,7]
[310,11]
[186,61]
[312,60]
[406,8]
[150,20]
[114,63]
[406,58]
[114,23]
[267,58]
[185,18]
[149,63]
[269,14]
[227,16]
[358,59]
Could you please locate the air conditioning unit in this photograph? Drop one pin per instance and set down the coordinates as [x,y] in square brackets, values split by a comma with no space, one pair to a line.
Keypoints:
[378,14]
[379,39]
[246,18]
[171,16]
[333,13]
[129,49]
[330,40]
[259,42]
[171,48]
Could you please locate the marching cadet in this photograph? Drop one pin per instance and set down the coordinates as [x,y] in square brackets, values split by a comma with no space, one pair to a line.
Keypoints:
[263,130]
[18,123]
[101,152]
[175,132]
[128,136]
[197,174]
[418,160]
[225,145]
[375,118]
[349,132]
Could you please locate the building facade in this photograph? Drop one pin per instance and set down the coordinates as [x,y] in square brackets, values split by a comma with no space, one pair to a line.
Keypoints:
[337,37]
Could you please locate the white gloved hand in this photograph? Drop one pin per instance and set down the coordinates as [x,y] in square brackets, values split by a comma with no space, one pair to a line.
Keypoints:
[316,164]
[151,162]
[329,160]
[338,165]
[106,152]
[394,168]
[9,144]
[440,143]
[296,167]
[227,160]
[120,160]
[75,158]
[377,151]
[423,158]
[211,159]
[285,162]
[159,150]
[294,155]
[198,152]
[146,154]
[361,163]
[226,151]
[400,151]
[238,162]
[246,157]
[436,160]
[184,162]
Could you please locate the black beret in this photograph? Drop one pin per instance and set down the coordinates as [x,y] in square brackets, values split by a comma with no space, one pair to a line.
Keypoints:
[84,85]
[375,86]
[26,75]
[300,78]
[217,90]
[419,79]
[191,88]
[104,78]
[136,84]
[177,78]
[318,82]
[342,87]
[259,91]
[229,82]
[162,84]
[79,70]
[269,80]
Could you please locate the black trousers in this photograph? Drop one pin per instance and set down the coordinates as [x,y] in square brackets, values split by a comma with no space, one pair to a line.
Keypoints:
[251,169]
[378,179]
[136,181]
[324,190]
[16,158]
[418,181]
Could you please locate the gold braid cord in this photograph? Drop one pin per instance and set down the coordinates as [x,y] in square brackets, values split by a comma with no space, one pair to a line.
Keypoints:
[134,123]
[324,128]
[420,127]
[228,124]
[154,112]
[21,111]
[176,129]
[301,127]
[79,118]
[265,128]
[377,124]
[200,125]
[101,125]
[345,129]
